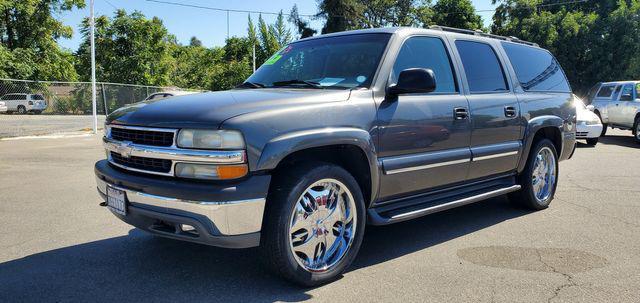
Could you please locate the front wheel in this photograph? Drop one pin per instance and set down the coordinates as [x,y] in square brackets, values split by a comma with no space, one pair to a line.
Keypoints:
[314,223]
[539,178]
[592,141]
[22,110]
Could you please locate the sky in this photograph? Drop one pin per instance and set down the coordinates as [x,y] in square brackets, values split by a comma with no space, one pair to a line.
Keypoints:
[207,25]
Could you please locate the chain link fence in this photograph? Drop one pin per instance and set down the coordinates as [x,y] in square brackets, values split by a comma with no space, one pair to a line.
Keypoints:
[48,107]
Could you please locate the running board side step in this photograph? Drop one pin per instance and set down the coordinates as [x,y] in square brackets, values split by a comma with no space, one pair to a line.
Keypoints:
[376,218]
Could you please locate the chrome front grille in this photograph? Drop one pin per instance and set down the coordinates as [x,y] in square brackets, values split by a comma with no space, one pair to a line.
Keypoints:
[150,137]
[153,150]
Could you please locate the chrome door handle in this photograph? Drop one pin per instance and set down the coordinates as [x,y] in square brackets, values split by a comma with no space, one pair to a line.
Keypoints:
[510,111]
[460,113]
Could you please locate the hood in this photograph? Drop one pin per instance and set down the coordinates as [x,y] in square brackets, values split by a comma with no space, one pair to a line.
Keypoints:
[583,114]
[209,110]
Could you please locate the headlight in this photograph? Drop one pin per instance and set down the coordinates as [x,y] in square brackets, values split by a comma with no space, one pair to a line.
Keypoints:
[210,139]
[210,172]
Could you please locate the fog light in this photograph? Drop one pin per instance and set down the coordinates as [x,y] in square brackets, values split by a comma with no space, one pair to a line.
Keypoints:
[210,172]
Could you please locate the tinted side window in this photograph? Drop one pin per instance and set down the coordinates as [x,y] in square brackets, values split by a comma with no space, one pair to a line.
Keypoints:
[535,68]
[37,97]
[481,65]
[21,97]
[426,52]
[605,91]
[627,93]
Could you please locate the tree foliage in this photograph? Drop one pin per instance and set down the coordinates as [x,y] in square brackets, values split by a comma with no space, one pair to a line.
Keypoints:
[341,15]
[593,41]
[28,34]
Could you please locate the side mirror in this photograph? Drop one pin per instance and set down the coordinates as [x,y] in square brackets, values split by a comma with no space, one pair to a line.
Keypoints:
[414,80]
[591,107]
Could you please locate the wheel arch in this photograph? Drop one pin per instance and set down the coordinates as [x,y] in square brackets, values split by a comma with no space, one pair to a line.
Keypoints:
[350,148]
[549,127]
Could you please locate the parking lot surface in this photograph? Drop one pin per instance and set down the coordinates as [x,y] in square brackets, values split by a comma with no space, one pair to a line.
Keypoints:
[33,125]
[58,245]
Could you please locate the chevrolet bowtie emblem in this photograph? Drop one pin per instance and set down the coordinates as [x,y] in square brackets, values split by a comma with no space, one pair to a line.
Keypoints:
[124,149]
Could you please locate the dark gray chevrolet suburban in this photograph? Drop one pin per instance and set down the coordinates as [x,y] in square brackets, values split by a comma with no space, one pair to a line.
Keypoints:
[339,131]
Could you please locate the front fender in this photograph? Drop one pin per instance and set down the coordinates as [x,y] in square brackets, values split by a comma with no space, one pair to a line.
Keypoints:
[278,148]
[533,126]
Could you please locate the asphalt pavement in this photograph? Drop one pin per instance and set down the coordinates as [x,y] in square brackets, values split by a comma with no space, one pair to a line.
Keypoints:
[34,125]
[58,245]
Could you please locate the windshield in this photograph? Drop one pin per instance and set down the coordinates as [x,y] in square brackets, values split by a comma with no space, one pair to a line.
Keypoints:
[334,62]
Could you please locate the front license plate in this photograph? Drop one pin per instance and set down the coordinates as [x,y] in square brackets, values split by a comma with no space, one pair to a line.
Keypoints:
[116,201]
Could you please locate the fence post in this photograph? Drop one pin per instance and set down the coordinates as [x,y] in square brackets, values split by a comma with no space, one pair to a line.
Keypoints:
[104,99]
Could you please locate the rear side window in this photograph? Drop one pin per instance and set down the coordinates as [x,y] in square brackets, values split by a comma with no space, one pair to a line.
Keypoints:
[426,52]
[481,65]
[627,93]
[605,91]
[37,97]
[536,68]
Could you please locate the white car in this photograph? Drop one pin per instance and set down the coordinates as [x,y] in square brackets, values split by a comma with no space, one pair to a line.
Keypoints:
[24,103]
[588,124]
[3,107]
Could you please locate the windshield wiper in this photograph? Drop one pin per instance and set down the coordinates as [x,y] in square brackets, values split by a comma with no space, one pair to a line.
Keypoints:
[248,84]
[297,81]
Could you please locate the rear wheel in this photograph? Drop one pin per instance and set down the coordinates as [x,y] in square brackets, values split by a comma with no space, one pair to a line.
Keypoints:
[636,129]
[539,178]
[314,223]
[22,110]
[592,141]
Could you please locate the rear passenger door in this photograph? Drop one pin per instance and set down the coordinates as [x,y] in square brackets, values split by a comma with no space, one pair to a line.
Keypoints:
[495,113]
[625,109]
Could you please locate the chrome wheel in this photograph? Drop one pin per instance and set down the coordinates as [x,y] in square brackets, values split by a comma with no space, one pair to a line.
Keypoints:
[322,226]
[544,175]
[638,130]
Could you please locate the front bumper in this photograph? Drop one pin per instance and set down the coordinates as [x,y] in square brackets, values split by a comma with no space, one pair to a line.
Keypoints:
[224,215]
[584,131]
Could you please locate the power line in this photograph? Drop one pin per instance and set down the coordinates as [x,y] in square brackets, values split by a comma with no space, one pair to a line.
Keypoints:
[224,9]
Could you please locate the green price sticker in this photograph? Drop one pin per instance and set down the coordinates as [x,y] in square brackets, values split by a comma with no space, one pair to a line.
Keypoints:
[273,59]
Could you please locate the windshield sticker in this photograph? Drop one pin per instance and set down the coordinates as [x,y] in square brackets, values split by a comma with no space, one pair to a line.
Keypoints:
[361,79]
[330,81]
[273,59]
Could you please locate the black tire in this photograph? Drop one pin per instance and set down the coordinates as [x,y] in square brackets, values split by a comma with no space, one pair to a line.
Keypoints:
[592,141]
[636,130]
[289,185]
[22,110]
[604,126]
[525,196]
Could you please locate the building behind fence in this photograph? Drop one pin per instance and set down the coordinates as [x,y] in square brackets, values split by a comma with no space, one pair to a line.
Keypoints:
[74,98]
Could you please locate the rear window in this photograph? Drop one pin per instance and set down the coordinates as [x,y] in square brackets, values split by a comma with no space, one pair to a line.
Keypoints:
[536,69]
[37,97]
[605,91]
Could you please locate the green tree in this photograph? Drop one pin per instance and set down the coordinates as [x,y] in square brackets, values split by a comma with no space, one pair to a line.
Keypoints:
[456,13]
[593,41]
[28,34]
[341,15]
[304,30]
[132,49]
[195,41]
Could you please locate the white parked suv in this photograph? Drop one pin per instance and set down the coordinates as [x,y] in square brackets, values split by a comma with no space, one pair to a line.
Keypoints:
[24,103]
[618,105]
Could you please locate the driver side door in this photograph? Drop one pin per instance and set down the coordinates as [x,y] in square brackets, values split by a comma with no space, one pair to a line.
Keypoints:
[423,137]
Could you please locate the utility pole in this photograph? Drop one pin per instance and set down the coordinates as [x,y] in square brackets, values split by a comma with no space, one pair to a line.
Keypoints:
[93,69]
[254,56]
[227,24]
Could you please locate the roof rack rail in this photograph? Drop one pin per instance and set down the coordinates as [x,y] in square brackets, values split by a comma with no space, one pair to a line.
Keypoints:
[478,32]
